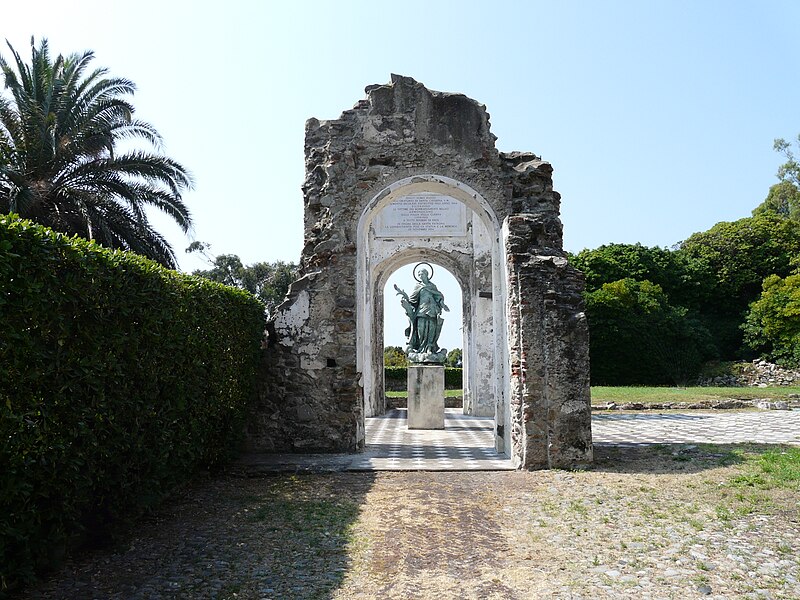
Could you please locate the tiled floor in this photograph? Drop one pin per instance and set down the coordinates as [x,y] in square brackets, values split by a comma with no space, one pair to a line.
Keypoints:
[465,444]
[765,427]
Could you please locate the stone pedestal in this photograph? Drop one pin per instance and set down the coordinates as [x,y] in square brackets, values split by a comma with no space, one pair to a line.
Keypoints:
[425,397]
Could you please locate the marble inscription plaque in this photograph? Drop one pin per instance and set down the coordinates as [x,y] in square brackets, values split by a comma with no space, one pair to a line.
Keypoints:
[424,214]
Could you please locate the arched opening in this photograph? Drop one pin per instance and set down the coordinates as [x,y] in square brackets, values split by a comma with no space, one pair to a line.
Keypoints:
[394,317]
[473,256]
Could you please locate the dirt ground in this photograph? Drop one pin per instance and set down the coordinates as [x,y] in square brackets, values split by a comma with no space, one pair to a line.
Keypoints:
[659,522]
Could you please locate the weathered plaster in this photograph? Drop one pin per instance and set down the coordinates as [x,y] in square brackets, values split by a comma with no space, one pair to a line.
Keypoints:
[526,349]
[289,323]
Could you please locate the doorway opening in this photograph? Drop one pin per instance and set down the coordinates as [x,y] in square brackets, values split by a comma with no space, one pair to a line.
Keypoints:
[451,338]
[465,242]
[467,441]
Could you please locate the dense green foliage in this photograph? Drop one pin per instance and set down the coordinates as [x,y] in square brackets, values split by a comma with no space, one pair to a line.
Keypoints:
[772,326]
[638,337]
[454,358]
[269,282]
[783,200]
[789,171]
[119,380]
[452,376]
[394,356]
[395,373]
[704,287]
[726,266]
[61,128]
[612,262]
[729,261]
[773,322]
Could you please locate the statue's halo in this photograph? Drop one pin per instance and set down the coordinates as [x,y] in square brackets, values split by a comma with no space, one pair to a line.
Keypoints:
[418,266]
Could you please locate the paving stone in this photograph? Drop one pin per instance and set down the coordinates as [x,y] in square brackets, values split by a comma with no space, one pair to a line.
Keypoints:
[466,443]
[709,428]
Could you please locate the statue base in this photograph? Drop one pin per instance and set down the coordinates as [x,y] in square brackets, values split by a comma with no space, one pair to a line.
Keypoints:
[429,358]
[425,397]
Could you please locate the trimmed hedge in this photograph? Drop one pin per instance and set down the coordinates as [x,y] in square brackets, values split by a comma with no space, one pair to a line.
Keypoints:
[119,379]
[452,376]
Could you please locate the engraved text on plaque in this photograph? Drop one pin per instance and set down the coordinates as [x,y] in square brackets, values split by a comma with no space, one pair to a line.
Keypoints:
[423,214]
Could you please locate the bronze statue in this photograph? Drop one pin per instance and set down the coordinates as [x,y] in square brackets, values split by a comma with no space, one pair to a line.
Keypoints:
[423,308]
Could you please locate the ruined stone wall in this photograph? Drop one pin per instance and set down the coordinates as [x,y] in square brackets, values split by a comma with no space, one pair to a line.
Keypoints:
[550,413]
[311,395]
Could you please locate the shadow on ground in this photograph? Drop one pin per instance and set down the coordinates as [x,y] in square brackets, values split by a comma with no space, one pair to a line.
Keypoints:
[281,535]
[673,458]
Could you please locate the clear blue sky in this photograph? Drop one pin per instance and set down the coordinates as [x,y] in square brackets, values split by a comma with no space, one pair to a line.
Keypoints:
[658,116]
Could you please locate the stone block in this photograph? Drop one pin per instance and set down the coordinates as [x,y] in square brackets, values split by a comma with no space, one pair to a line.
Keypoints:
[425,397]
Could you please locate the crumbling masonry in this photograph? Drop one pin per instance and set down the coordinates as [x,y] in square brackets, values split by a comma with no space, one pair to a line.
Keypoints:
[526,352]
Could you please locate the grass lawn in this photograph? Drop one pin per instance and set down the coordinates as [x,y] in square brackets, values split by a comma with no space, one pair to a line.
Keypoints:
[657,395]
[404,394]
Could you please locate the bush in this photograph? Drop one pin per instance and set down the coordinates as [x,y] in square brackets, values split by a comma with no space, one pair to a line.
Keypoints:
[773,322]
[453,379]
[119,380]
[394,356]
[612,262]
[638,338]
[725,368]
[727,265]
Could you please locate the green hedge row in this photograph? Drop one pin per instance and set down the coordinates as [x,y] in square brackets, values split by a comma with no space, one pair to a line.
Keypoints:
[452,376]
[119,379]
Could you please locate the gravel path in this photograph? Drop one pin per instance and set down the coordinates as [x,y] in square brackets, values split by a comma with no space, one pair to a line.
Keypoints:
[642,523]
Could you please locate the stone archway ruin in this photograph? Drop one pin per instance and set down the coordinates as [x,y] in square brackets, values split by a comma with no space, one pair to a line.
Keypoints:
[474,259]
[528,339]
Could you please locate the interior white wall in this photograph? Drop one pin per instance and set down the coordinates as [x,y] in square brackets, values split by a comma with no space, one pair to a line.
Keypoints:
[474,260]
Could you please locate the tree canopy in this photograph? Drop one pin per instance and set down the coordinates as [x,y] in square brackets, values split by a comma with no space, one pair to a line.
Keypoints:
[733,258]
[727,264]
[394,356]
[773,321]
[783,199]
[638,337]
[268,281]
[61,127]
[789,170]
[454,358]
[612,262]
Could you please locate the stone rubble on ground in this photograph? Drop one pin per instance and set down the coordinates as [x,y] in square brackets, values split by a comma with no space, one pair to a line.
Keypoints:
[724,404]
[759,373]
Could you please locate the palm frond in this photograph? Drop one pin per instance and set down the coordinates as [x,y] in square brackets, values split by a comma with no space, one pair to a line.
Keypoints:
[59,132]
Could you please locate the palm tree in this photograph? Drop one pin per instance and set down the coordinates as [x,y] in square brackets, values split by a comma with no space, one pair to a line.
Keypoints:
[60,164]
